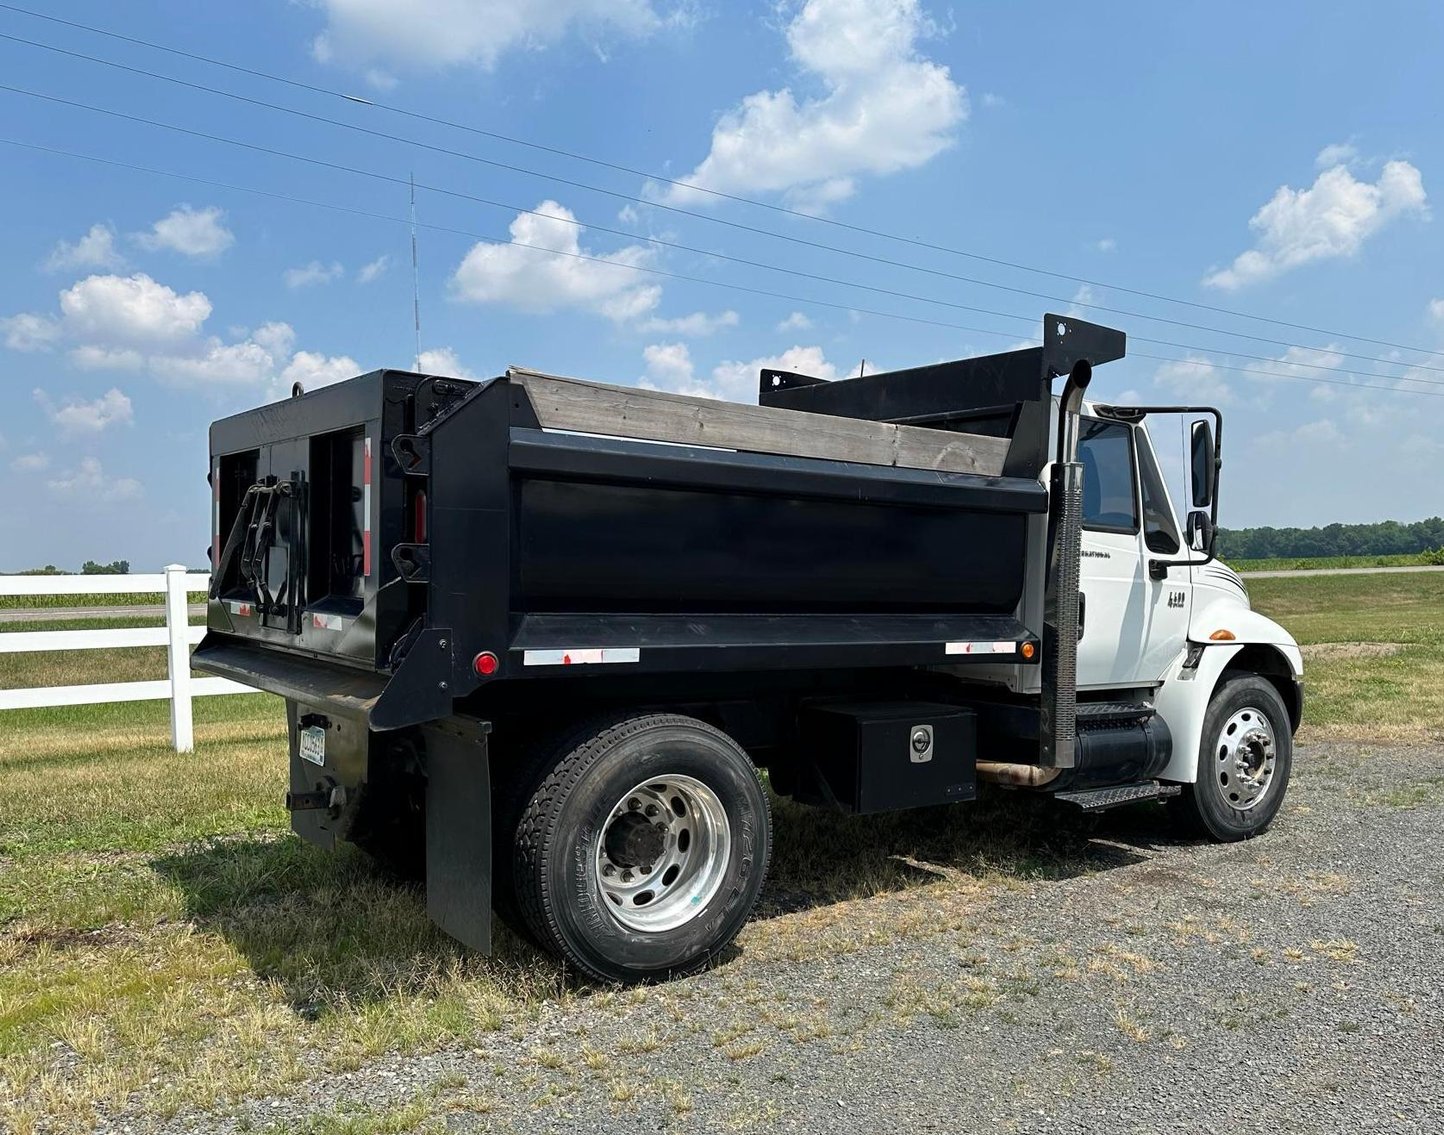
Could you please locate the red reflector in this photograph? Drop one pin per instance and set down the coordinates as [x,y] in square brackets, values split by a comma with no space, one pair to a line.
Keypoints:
[419,527]
[486,663]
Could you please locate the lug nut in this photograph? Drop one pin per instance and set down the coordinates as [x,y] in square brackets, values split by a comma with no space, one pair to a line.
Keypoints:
[608,869]
[634,803]
[626,876]
[646,868]
[651,809]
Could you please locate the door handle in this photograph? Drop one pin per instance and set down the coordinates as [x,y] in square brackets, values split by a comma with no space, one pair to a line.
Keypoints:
[1082,611]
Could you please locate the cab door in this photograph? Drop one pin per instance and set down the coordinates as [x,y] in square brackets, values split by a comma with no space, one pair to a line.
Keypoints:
[1132,625]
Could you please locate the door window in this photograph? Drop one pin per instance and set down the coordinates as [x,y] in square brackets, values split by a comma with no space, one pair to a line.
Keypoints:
[1160,532]
[1110,494]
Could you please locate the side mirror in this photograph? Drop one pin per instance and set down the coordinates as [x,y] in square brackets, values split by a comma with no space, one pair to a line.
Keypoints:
[1204,465]
[1199,531]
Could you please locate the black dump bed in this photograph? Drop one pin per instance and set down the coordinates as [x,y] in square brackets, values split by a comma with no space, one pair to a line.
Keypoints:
[391,544]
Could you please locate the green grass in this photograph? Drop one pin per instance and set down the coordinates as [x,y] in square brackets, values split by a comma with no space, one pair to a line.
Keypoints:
[1295,563]
[164,940]
[1374,650]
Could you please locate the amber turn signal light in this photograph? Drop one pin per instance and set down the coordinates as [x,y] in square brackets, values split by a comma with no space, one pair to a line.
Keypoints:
[1223,636]
[1027,650]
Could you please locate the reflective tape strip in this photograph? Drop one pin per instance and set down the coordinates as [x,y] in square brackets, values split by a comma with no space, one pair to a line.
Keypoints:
[366,508]
[328,622]
[581,657]
[981,648]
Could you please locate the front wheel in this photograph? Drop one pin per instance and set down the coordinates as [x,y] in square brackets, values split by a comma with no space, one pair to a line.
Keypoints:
[642,852]
[1245,757]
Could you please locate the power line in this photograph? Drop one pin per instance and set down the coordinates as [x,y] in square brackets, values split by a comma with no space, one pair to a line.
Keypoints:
[780,209]
[765,266]
[805,301]
[717,220]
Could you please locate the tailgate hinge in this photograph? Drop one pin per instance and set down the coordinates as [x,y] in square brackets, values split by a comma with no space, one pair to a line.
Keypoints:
[412,453]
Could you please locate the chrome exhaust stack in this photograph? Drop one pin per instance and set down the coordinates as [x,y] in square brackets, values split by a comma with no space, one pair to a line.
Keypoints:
[1070,347]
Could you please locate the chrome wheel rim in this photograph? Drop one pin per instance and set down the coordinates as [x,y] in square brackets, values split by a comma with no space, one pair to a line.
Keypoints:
[662,853]
[1246,755]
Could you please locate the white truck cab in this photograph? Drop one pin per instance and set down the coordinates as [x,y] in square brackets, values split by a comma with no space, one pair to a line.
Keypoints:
[1159,615]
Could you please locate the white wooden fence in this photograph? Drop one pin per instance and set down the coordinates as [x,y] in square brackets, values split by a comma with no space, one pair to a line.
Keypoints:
[178,636]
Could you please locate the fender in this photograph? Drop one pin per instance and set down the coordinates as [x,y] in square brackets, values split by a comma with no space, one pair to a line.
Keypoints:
[1260,644]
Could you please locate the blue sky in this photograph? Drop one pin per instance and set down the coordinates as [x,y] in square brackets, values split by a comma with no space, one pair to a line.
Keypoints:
[1279,160]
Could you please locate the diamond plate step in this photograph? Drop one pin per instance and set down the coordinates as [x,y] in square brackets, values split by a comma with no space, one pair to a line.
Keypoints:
[1100,799]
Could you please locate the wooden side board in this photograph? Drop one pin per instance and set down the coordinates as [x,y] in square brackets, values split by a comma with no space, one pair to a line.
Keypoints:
[622,411]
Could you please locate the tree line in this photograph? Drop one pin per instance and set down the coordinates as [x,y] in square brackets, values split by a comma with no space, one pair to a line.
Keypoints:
[1384,538]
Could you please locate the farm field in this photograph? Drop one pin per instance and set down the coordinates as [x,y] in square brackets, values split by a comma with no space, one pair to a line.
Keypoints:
[172,959]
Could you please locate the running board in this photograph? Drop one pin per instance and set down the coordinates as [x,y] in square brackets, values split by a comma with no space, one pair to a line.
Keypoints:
[1101,799]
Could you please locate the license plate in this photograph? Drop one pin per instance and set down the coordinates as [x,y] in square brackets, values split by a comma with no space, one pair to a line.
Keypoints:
[313,744]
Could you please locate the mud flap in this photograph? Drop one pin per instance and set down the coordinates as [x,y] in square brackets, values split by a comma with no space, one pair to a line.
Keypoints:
[458,830]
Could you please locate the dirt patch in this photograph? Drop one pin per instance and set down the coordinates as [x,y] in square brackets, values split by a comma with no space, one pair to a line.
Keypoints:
[1348,650]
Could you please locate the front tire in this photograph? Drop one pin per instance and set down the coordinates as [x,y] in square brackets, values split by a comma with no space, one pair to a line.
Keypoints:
[643,850]
[1245,757]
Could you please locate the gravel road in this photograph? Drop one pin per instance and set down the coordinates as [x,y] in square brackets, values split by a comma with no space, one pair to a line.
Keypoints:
[1288,984]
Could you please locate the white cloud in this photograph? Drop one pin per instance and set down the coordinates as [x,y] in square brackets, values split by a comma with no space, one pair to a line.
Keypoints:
[442,360]
[314,370]
[30,332]
[1436,310]
[313,273]
[447,33]
[884,108]
[276,337]
[518,275]
[89,356]
[696,324]
[31,462]
[215,363]
[1194,379]
[797,321]
[191,232]
[670,367]
[89,481]
[1310,435]
[1107,244]
[136,324]
[77,416]
[1332,218]
[1336,154]
[96,249]
[131,309]
[370,273]
[1298,362]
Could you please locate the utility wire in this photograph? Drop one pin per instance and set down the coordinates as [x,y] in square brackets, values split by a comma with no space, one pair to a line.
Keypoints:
[716,193]
[765,266]
[805,301]
[717,220]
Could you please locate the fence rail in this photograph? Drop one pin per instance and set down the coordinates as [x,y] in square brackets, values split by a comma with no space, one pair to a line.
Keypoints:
[177,636]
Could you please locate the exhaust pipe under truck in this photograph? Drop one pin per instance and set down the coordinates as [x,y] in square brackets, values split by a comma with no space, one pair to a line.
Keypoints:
[539,637]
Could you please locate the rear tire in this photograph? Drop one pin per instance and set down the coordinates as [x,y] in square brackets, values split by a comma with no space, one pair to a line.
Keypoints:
[641,853]
[1245,757]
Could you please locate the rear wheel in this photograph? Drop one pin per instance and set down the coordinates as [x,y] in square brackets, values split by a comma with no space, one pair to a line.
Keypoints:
[641,853]
[1244,760]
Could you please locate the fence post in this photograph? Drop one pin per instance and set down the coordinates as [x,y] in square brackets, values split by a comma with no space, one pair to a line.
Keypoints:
[178,658]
